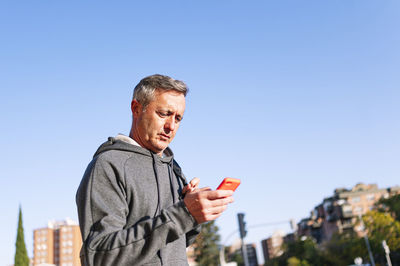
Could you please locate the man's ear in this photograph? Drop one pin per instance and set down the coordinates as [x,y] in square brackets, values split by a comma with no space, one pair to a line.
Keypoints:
[136,108]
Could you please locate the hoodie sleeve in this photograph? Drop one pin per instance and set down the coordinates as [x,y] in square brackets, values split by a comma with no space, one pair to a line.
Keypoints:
[102,210]
[191,235]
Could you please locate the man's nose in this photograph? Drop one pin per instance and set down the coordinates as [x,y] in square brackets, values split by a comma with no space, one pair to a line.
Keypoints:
[170,124]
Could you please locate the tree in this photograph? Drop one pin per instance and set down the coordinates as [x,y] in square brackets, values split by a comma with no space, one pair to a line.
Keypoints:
[306,251]
[206,245]
[391,205]
[343,248]
[21,255]
[234,257]
[293,261]
[299,252]
[382,226]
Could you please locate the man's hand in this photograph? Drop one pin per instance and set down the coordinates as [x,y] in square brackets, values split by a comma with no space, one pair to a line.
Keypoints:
[193,184]
[206,205]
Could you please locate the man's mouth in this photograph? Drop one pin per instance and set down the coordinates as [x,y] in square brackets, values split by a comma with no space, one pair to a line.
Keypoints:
[164,137]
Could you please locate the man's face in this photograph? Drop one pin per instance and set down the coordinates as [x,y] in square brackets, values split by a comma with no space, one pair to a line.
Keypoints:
[155,126]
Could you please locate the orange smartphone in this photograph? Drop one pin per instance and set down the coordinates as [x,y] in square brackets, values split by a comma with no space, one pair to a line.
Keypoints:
[229,184]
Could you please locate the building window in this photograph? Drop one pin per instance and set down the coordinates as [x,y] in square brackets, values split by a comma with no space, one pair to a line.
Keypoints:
[347,208]
[358,210]
[355,199]
[370,197]
[347,222]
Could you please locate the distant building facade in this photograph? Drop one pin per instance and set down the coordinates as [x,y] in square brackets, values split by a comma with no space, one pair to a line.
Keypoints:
[58,244]
[251,251]
[339,212]
[252,254]
[272,246]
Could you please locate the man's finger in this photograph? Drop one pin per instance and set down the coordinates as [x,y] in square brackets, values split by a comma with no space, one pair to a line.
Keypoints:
[221,202]
[194,182]
[185,189]
[203,189]
[217,194]
[217,210]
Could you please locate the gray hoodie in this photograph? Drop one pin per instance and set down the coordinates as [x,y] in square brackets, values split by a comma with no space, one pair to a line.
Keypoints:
[131,210]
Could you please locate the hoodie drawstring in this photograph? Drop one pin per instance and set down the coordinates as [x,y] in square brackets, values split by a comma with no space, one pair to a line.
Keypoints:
[171,174]
[158,185]
[158,209]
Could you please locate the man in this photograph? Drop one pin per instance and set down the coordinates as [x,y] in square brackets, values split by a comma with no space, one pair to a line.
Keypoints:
[134,205]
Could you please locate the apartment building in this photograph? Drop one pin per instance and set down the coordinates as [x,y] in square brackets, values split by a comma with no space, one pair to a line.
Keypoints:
[339,212]
[272,246]
[57,244]
[252,254]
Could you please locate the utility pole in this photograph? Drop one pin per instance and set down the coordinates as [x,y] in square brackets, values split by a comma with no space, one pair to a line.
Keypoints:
[387,252]
[243,233]
[371,257]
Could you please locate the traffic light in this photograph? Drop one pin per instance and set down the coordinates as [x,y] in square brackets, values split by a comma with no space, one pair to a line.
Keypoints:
[242,225]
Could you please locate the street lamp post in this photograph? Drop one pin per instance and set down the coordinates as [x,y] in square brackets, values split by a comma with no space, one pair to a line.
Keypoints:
[387,252]
[371,257]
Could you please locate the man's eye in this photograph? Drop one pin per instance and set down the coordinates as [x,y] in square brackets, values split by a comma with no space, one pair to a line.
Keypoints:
[162,114]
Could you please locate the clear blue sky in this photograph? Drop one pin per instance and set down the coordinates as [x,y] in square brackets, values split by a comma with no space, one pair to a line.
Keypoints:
[296,98]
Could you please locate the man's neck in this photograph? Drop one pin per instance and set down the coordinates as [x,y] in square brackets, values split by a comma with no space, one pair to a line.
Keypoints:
[127,139]
[132,141]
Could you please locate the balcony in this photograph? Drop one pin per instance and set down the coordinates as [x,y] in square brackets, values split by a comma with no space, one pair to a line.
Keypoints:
[347,211]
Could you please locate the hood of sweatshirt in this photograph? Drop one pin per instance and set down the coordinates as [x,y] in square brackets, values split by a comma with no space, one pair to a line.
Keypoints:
[117,144]
[168,158]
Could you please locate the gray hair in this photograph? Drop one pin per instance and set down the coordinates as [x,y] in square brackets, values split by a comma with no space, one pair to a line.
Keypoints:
[144,90]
